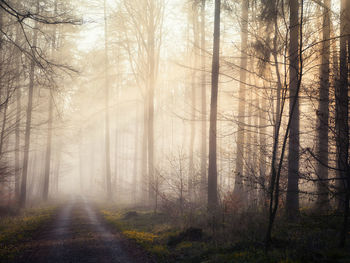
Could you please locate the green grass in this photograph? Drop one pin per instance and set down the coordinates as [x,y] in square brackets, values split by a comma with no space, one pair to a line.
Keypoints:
[15,231]
[310,240]
[152,232]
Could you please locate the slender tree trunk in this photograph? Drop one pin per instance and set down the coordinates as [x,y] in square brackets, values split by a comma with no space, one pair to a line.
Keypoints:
[262,145]
[144,150]
[48,150]
[258,166]
[49,131]
[342,124]
[248,142]
[342,108]
[107,124]
[323,112]
[194,15]
[204,106]
[17,142]
[212,170]
[274,187]
[136,151]
[18,119]
[116,164]
[292,202]
[58,166]
[4,120]
[23,195]
[238,189]
[151,87]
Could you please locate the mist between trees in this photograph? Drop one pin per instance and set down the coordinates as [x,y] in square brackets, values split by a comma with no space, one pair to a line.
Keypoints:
[222,108]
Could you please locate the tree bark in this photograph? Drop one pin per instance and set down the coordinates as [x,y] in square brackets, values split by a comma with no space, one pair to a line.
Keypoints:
[151,87]
[191,173]
[204,106]
[48,150]
[49,131]
[323,113]
[107,124]
[136,151]
[23,194]
[4,119]
[17,142]
[212,170]
[292,202]
[238,188]
[144,150]
[342,125]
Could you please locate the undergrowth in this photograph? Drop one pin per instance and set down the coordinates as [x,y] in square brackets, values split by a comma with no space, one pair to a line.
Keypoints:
[310,240]
[16,231]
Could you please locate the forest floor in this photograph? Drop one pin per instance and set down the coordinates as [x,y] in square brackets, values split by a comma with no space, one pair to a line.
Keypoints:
[74,233]
[79,230]
[312,239]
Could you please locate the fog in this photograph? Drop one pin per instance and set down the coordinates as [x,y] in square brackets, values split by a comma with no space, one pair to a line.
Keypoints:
[235,105]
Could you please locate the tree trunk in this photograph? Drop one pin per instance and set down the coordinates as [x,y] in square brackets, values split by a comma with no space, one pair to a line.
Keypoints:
[151,87]
[4,120]
[57,168]
[49,131]
[17,142]
[204,106]
[292,202]
[136,151]
[48,150]
[212,170]
[323,113]
[107,128]
[238,189]
[342,125]
[194,15]
[23,195]
[262,149]
[144,150]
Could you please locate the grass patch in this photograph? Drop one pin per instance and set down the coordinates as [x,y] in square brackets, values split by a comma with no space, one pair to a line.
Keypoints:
[15,231]
[309,240]
[152,231]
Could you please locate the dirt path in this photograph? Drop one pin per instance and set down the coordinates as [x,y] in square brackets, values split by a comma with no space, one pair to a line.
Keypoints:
[77,235]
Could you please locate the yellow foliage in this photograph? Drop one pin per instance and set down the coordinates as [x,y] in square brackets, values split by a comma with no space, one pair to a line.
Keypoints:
[140,237]
[16,229]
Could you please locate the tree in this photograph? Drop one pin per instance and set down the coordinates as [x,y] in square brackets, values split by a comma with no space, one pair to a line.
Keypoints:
[49,127]
[107,128]
[292,201]
[193,13]
[142,28]
[238,189]
[274,187]
[342,125]
[203,102]
[36,16]
[212,170]
[323,112]
[23,195]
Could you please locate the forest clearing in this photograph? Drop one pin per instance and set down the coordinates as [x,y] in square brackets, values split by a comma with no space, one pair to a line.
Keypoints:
[174,131]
